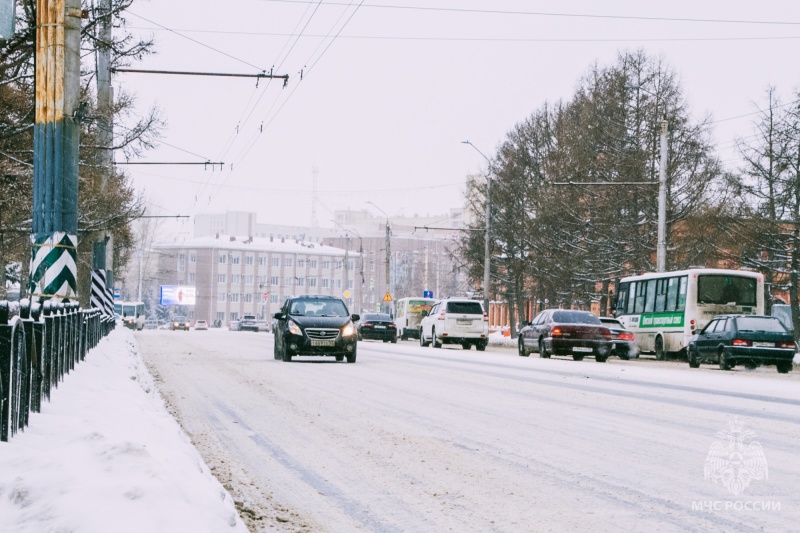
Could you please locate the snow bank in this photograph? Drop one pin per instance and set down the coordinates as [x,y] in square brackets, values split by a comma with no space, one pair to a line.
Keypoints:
[105,455]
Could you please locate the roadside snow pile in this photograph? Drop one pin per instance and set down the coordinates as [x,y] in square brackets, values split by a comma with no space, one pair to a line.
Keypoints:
[105,455]
[498,339]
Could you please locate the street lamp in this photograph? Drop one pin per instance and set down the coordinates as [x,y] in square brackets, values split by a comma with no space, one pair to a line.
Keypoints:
[388,249]
[360,298]
[486,250]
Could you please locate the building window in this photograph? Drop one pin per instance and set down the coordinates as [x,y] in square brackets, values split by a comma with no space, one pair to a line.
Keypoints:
[301,263]
[287,282]
[288,261]
[220,316]
[248,298]
[325,283]
[234,316]
[338,283]
[221,296]
[313,263]
[312,282]
[222,278]
[273,298]
[262,280]
[276,261]
[193,258]
[262,261]
[223,259]
[248,260]
[192,277]
[236,278]
[350,284]
[248,279]
[234,297]
[236,260]
[181,263]
[301,281]
[326,265]
[274,281]
[350,265]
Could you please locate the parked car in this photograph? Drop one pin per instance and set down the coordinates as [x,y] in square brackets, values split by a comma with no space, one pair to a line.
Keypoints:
[248,323]
[455,321]
[233,325]
[262,325]
[377,326]
[200,325]
[315,325]
[566,332]
[180,322]
[749,340]
[151,323]
[623,341]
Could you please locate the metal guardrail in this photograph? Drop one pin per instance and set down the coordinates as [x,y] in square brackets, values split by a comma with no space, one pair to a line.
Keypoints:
[39,345]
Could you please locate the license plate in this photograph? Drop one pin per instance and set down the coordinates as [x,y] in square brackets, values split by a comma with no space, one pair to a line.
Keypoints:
[380,327]
[323,343]
[462,322]
[764,344]
[581,349]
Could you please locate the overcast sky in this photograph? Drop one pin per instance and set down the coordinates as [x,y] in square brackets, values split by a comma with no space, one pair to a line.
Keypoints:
[390,89]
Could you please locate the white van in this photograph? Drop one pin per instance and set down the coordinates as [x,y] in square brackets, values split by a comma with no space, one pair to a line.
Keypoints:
[408,315]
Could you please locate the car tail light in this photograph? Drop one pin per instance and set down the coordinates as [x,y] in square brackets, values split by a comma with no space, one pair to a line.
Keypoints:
[391,326]
[786,344]
[740,342]
[485,317]
[556,332]
[368,324]
[625,336]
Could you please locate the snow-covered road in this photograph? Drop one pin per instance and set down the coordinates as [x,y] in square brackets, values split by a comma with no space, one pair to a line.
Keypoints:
[419,439]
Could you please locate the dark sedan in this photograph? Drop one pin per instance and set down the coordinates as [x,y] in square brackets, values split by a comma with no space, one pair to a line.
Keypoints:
[566,332]
[748,340]
[623,341]
[377,326]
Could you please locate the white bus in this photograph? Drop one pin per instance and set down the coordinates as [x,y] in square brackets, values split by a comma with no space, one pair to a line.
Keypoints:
[408,315]
[664,309]
[132,314]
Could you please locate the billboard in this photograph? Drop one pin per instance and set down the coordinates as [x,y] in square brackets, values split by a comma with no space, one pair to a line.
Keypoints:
[177,295]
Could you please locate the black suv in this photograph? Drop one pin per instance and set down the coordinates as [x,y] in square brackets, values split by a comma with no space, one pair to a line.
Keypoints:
[315,325]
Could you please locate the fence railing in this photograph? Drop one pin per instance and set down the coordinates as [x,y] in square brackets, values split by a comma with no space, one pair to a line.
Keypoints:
[39,345]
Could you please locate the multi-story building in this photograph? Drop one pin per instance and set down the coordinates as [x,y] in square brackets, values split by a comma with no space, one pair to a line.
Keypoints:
[235,275]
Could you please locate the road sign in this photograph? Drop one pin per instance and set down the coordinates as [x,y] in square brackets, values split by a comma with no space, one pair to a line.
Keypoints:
[427,294]
[266,296]
[387,297]
[117,294]
[346,294]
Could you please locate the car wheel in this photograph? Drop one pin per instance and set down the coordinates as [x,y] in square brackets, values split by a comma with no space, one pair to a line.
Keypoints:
[434,340]
[694,361]
[466,345]
[481,346]
[422,339]
[286,357]
[394,340]
[351,358]
[543,353]
[724,363]
[275,352]
[360,337]
[784,366]
[577,357]
[521,348]
[339,358]
[661,355]
[601,358]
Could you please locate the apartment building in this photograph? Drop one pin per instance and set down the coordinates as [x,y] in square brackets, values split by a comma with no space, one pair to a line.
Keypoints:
[236,275]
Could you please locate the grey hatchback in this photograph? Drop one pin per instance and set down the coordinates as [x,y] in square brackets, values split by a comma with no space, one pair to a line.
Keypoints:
[749,340]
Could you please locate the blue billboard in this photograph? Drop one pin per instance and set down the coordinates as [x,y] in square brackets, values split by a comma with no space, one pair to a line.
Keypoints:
[177,295]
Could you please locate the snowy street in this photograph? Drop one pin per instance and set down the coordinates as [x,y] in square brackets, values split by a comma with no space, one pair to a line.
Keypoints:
[420,439]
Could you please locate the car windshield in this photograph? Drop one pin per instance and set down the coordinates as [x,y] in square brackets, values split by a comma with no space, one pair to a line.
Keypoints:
[759,323]
[311,307]
[472,308]
[377,317]
[613,322]
[575,317]
[180,318]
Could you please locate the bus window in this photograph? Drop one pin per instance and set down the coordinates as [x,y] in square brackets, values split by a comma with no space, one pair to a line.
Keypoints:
[650,296]
[640,290]
[682,294]
[661,295]
[622,299]
[672,295]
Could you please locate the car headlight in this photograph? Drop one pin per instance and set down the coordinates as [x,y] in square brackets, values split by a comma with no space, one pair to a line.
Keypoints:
[294,329]
[349,330]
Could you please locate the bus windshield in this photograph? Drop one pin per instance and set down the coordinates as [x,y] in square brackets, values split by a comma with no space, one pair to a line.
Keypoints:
[726,290]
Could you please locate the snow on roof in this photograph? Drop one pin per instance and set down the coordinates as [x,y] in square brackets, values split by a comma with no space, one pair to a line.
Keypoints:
[256,244]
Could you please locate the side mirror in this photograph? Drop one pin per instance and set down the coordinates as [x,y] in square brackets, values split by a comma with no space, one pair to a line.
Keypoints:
[424,314]
[279,316]
[355,318]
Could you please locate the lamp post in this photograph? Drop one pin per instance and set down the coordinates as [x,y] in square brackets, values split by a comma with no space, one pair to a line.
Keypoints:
[360,298]
[388,249]
[486,248]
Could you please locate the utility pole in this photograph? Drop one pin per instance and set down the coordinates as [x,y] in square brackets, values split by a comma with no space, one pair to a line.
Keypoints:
[486,246]
[661,248]
[56,132]
[388,258]
[347,263]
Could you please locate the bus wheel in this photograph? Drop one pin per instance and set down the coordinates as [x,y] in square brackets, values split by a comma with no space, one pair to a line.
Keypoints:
[661,355]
